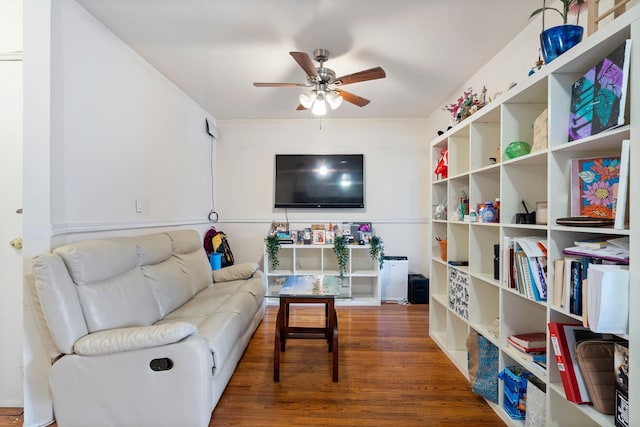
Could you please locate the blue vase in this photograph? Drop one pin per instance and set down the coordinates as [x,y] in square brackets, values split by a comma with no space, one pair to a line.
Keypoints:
[555,41]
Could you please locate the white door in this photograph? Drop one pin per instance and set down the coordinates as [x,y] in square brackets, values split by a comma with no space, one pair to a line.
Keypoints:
[11,264]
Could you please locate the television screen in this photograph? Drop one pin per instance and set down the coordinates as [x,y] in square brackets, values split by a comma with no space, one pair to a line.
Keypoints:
[319,181]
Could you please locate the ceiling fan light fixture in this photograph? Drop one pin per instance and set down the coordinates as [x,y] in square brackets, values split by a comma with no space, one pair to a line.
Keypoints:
[319,106]
[307,99]
[334,100]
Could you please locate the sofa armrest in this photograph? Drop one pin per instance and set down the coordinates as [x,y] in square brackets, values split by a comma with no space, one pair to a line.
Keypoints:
[235,272]
[124,389]
[134,338]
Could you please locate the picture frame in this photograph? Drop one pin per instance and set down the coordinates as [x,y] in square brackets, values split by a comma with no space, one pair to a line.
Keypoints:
[294,235]
[306,236]
[330,237]
[366,236]
[279,227]
[319,237]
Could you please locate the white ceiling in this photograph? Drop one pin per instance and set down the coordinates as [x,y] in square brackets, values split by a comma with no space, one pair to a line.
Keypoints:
[215,49]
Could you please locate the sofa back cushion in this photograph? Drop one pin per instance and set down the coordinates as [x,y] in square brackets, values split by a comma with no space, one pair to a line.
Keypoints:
[169,283]
[59,302]
[190,255]
[111,287]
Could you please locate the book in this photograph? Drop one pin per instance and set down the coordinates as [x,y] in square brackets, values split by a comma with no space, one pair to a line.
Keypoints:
[575,302]
[608,253]
[530,341]
[608,298]
[558,275]
[621,367]
[620,209]
[563,343]
[598,98]
[595,243]
[594,186]
[532,356]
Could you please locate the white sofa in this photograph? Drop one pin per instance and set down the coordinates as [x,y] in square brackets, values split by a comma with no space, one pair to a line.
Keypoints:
[139,330]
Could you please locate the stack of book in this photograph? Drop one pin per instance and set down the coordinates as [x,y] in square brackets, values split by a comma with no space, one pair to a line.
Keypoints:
[525,266]
[531,346]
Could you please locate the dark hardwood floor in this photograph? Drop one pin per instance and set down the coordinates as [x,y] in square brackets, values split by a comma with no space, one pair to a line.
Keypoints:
[391,374]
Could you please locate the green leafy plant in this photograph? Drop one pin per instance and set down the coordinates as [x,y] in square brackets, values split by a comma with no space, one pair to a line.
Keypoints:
[342,253]
[568,6]
[273,248]
[377,249]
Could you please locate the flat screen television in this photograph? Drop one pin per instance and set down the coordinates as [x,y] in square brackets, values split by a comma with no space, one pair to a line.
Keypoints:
[319,181]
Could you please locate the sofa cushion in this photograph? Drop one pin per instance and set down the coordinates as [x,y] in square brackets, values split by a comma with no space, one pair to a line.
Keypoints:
[59,301]
[235,272]
[192,258]
[125,339]
[166,277]
[112,290]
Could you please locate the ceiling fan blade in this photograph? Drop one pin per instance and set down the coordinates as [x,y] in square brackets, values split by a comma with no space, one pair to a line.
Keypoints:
[301,107]
[256,84]
[354,99]
[370,74]
[304,60]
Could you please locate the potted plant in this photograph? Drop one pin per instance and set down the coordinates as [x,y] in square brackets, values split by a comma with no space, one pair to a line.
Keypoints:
[342,253]
[377,249]
[556,40]
[273,248]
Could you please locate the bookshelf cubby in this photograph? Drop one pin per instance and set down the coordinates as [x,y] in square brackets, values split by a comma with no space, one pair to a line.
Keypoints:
[361,280]
[494,310]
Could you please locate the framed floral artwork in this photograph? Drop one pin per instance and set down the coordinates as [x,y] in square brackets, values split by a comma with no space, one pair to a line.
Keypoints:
[594,186]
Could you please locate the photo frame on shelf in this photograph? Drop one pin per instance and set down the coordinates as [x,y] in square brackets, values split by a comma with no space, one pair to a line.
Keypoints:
[330,237]
[319,237]
[279,227]
[294,235]
[307,237]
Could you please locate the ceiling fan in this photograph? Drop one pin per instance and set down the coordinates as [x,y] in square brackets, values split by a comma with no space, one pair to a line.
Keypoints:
[324,83]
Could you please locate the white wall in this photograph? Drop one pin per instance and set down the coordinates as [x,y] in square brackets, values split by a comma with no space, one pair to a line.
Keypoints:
[102,129]
[11,225]
[396,179]
[121,132]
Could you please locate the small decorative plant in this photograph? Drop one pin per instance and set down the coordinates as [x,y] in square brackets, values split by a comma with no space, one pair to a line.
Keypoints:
[273,248]
[377,249]
[467,104]
[568,7]
[342,253]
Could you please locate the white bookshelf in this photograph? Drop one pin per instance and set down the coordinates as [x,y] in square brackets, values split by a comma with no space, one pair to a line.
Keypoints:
[361,285]
[540,176]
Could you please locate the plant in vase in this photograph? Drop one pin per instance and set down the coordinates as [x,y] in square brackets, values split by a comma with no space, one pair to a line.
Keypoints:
[273,248]
[556,40]
[342,253]
[377,249]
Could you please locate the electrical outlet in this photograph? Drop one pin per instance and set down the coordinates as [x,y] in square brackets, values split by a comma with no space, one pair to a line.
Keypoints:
[139,208]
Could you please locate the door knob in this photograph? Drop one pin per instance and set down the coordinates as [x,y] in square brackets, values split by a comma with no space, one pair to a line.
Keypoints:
[16,243]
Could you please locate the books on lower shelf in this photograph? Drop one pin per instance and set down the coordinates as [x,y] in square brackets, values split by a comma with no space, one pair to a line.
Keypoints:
[563,342]
[608,298]
[531,347]
[525,266]
[533,341]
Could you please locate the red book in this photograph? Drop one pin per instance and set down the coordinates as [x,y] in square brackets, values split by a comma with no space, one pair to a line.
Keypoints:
[530,341]
[526,350]
[563,342]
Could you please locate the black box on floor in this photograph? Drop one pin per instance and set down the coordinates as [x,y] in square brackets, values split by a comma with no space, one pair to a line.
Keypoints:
[418,291]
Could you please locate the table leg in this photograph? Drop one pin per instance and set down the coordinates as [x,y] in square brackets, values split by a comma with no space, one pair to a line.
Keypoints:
[277,345]
[334,333]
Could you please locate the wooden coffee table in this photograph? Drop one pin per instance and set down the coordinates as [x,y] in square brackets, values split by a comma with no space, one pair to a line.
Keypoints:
[307,290]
